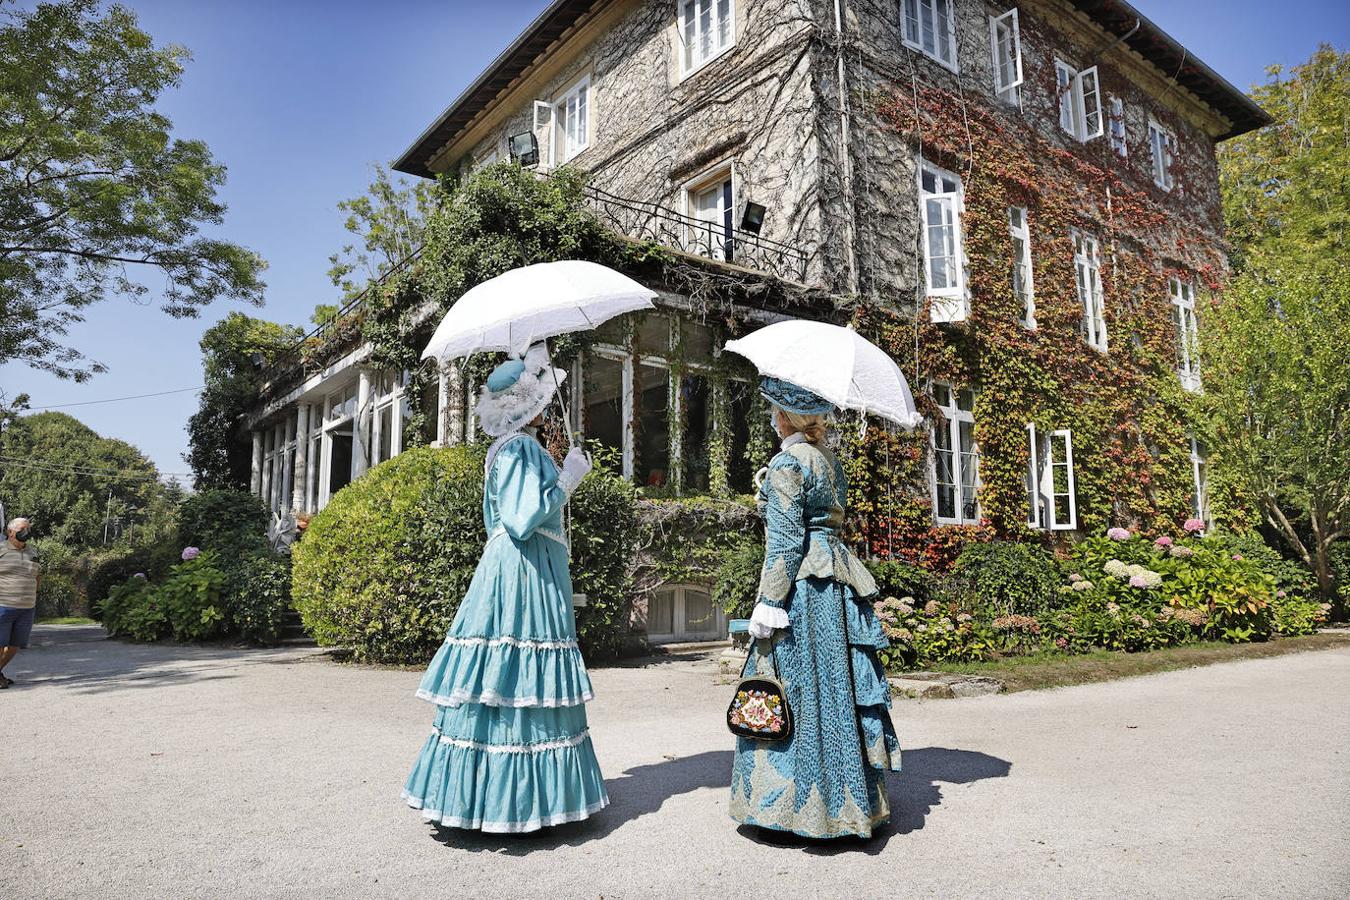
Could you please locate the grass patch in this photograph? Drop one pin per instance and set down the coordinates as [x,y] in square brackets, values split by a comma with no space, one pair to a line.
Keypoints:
[65,620]
[1050,670]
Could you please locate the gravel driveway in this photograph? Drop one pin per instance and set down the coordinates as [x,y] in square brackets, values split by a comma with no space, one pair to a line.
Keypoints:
[160,771]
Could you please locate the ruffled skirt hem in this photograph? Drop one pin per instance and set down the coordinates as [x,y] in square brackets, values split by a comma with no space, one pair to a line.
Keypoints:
[477,824]
[506,672]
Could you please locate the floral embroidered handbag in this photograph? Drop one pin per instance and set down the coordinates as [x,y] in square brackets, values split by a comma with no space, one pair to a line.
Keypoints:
[759,709]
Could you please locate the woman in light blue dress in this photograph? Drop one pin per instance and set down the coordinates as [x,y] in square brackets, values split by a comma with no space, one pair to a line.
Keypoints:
[828,779]
[509,750]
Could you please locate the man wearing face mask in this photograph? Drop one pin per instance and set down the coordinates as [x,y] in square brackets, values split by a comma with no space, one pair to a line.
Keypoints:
[19,572]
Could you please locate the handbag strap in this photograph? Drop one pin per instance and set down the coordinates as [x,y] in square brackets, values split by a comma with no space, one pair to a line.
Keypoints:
[772,658]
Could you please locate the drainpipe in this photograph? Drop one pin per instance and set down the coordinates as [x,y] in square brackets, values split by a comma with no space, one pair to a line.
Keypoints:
[846,154]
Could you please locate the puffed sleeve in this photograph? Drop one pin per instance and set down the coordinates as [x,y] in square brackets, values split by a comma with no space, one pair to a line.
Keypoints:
[527,488]
[783,507]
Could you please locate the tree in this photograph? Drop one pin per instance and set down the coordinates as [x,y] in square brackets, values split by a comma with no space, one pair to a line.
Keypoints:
[233,351]
[60,473]
[1286,191]
[389,220]
[1276,404]
[96,198]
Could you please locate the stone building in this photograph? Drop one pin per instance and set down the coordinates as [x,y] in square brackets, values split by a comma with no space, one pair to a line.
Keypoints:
[770,136]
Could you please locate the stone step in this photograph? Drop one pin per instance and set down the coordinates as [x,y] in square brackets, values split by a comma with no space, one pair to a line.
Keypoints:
[943,685]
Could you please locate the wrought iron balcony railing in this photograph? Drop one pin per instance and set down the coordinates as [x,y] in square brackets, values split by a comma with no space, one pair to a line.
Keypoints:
[638,219]
[719,241]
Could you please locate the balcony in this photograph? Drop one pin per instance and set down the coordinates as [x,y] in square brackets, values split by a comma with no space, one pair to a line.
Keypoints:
[645,221]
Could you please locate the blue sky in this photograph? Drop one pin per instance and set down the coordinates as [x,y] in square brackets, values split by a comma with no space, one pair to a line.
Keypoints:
[299,99]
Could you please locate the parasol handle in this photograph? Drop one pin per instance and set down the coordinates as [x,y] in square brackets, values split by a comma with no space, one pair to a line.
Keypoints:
[562,405]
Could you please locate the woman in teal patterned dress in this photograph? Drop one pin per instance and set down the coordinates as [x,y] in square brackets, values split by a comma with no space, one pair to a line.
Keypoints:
[813,614]
[510,750]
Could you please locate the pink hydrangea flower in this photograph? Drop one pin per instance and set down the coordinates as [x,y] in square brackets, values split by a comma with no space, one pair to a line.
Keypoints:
[1075,578]
[1062,643]
[1237,557]
[1163,542]
[190,553]
[1281,594]
[1194,525]
[1118,534]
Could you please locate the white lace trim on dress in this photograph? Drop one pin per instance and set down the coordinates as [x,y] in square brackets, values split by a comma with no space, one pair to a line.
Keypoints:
[507,827]
[540,747]
[772,616]
[542,532]
[459,697]
[567,644]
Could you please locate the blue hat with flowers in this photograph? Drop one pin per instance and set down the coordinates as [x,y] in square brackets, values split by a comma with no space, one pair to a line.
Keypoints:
[517,391]
[787,396]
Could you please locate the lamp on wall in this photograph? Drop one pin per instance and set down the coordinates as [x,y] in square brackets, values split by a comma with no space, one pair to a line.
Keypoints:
[524,148]
[752,220]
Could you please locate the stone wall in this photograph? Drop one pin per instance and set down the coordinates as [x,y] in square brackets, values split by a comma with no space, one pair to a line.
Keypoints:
[881,68]
[653,132]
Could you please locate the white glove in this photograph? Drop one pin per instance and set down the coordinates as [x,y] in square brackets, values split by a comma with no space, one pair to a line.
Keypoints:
[765,620]
[574,468]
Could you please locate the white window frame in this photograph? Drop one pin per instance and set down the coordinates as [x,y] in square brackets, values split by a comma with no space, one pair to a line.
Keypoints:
[542,126]
[715,176]
[678,609]
[562,117]
[394,400]
[1004,31]
[952,417]
[952,305]
[693,56]
[1115,118]
[1200,477]
[1022,264]
[1080,101]
[911,29]
[1042,509]
[1162,147]
[1087,267]
[1182,294]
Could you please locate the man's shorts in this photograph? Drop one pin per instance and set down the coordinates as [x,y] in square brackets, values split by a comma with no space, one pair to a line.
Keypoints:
[15,626]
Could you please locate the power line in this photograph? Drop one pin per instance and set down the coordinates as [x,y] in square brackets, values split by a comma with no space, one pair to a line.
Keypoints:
[131,474]
[117,399]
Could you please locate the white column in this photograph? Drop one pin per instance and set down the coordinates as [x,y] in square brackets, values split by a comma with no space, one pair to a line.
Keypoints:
[455,417]
[313,462]
[362,427]
[629,426]
[301,456]
[269,465]
[255,478]
[442,406]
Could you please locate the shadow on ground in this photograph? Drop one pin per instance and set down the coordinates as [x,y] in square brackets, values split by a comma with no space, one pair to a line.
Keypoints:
[642,790]
[82,658]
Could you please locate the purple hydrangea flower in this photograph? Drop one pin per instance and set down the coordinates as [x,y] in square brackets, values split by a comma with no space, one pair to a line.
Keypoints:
[190,553]
[1118,534]
[1138,581]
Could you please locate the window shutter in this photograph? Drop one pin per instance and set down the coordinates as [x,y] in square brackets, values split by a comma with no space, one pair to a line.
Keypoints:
[1067,463]
[1007,43]
[1090,96]
[1033,479]
[1065,81]
[543,132]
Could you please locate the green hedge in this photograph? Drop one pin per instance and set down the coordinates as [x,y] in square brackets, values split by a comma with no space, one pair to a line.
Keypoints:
[382,569]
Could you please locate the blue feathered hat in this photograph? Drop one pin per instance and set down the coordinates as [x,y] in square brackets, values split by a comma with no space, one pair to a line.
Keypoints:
[787,396]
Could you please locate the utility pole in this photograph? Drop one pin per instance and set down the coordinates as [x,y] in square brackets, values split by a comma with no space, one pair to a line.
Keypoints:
[107,514]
